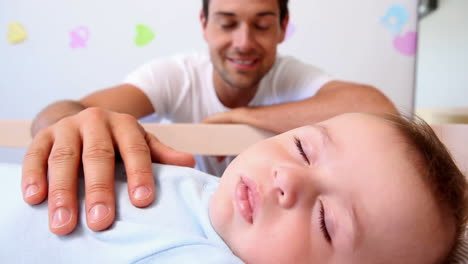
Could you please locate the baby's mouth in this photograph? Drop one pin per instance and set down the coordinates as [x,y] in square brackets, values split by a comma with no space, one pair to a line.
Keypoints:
[246,199]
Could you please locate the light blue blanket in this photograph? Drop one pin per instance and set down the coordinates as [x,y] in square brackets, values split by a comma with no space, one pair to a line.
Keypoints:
[175,229]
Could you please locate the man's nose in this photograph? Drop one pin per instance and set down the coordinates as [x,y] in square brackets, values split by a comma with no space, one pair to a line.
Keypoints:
[244,39]
[292,185]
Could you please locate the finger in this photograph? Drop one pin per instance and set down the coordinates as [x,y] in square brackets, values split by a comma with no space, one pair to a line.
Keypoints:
[166,155]
[135,153]
[63,164]
[98,166]
[34,171]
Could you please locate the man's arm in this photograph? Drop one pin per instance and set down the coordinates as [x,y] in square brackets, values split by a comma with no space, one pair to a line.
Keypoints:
[334,98]
[89,132]
[123,98]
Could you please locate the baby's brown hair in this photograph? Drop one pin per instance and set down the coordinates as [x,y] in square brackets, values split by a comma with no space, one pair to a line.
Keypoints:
[447,183]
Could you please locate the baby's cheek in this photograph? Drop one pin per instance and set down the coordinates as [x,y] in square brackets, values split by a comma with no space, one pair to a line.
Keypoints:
[220,213]
[287,242]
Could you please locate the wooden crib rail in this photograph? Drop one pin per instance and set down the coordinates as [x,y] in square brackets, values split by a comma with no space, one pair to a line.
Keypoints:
[455,137]
[224,140]
[216,140]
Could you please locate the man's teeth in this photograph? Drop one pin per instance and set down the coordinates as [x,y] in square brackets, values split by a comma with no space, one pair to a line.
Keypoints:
[244,62]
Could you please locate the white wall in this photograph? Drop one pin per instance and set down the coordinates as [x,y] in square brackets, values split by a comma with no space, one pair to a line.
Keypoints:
[442,74]
[346,38]
[44,68]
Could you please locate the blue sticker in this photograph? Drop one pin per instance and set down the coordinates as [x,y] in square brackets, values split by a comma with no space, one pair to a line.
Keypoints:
[397,16]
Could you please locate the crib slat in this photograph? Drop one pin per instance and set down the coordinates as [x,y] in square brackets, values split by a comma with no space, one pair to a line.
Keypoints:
[15,133]
[216,140]
[224,140]
[455,137]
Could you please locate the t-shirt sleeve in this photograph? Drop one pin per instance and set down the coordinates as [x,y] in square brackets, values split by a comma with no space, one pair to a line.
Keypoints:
[161,81]
[295,80]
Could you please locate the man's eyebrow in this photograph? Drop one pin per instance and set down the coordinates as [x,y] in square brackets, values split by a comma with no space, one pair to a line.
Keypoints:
[222,13]
[231,14]
[267,13]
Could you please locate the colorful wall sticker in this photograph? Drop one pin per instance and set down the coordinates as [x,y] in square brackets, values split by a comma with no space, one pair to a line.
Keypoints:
[407,44]
[16,33]
[396,17]
[79,37]
[144,35]
[290,31]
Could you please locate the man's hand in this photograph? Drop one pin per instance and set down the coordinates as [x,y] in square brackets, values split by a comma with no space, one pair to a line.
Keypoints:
[234,116]
[91,138]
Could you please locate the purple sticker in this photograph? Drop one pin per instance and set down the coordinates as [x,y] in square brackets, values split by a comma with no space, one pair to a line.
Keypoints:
[407,44]
[290,31]
[79,37]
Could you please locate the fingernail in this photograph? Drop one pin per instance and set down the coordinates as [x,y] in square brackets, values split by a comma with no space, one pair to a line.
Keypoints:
[141,193]
[98,212]
[61,217]
[31,190]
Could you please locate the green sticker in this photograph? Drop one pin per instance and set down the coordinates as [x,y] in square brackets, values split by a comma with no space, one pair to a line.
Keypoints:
[144,35]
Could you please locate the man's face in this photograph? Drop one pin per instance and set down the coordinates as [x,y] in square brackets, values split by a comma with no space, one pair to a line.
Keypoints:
[242,37]
[341,191]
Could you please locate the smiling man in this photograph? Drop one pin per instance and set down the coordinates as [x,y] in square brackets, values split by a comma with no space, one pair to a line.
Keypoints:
[240,80]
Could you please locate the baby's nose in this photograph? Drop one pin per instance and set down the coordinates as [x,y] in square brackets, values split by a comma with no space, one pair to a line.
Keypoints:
[291,185]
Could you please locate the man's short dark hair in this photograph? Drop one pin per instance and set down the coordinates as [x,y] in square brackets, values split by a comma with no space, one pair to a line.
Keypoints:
[283,7]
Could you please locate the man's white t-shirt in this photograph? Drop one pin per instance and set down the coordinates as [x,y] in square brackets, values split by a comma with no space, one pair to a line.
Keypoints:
[181,90]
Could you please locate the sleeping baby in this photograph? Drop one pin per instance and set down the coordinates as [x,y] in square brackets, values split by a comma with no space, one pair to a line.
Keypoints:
[357,188]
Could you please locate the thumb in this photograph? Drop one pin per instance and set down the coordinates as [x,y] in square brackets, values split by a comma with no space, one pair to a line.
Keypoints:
[166,155]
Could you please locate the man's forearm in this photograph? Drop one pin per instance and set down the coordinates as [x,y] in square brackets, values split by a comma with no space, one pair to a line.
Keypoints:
[335,99]
[53,113]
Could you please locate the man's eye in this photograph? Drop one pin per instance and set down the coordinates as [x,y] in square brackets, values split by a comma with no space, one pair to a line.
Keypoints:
[262,28]
[228,26]
[298,143]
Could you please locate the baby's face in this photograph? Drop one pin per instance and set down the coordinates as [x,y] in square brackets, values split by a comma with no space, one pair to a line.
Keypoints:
[341,191]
